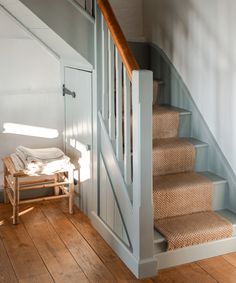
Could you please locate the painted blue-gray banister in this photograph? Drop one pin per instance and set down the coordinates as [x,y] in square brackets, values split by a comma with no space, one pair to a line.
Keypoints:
[105,100]
[111,77]
[125,146]
[119,114]
[127,130]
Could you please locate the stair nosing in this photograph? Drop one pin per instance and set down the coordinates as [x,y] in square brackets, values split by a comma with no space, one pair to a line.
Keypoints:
[181,111]
[195,142]
[158,238]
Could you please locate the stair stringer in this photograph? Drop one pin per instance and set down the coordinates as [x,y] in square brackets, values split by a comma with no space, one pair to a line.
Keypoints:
[179,96]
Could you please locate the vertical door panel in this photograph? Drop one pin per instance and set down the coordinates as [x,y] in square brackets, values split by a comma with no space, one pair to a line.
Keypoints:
[78,133]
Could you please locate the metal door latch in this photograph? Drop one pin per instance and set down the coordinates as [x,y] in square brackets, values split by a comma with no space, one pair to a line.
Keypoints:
[67,91]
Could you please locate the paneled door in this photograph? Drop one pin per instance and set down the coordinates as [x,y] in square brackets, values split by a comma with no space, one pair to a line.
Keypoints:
[77,90]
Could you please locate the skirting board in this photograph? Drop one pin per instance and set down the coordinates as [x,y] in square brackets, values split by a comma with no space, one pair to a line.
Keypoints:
[141,269]
[194,253]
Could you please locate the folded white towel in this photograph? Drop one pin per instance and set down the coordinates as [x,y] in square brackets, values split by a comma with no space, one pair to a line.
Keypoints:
[48,167]
[40,153]
[40,161]
[19,165]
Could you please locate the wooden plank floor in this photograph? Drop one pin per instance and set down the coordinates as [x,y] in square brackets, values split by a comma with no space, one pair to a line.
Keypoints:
[49,245]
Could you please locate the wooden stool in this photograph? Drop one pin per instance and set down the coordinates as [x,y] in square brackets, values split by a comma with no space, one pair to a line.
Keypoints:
[16,181]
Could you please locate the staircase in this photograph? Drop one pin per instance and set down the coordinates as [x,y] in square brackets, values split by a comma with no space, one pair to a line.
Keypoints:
[182,198]
[153,177]
[189,201]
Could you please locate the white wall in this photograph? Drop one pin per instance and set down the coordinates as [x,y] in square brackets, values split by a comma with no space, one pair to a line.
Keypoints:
[199,38]
[29,90]
[130,16]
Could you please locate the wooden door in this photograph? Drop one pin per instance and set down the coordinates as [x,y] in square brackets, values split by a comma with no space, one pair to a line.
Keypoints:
[78,131]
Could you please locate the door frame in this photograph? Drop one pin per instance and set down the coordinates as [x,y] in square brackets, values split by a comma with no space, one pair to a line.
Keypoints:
[94,172]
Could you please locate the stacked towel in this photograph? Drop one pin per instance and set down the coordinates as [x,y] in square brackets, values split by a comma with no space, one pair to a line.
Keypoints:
[40,161]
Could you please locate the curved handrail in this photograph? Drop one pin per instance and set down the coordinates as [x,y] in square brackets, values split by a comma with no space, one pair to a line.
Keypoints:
[118,37]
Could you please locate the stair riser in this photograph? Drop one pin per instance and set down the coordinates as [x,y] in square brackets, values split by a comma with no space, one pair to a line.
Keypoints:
[195,253]
[201,161]
[184,125]
[184,130]
[219,195]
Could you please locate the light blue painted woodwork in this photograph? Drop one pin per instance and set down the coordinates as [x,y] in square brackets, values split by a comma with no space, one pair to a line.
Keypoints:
[127,132]
[111,83]
[179,96]
[172,91]
[117,190]
[78,132]
[116,179]
[105,85]
[119,112]
[109,209]
[68,22]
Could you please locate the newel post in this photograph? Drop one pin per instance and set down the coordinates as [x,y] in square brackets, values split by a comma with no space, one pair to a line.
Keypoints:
[142,82]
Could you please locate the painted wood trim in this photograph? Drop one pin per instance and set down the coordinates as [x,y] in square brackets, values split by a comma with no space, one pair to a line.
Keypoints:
[127,130]
[105,88]
[194,253]
[141,269]
[119,188]
[119,113]
[142,163]
[181,97]
[111,80]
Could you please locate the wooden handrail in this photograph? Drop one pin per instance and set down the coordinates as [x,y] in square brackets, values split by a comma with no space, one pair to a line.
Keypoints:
[118,37]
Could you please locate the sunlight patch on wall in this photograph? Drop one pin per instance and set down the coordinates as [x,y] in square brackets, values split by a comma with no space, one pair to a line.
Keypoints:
[26,130]
[84,158]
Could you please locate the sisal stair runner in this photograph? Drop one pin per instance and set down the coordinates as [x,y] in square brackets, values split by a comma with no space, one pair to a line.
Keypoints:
[182,199]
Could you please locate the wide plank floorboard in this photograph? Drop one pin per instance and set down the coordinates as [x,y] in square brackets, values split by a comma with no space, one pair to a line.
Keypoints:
[22,253]
[95,240]
[184,273]
[59,261]
[85,256]
[7,273]
[220,269]
[50,245]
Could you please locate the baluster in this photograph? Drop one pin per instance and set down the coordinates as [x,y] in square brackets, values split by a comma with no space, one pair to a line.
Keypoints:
[111,87]
[127,132]
[105,98]
[119,114]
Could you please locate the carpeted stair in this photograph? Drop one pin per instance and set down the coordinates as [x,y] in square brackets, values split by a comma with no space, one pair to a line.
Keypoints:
[182,198]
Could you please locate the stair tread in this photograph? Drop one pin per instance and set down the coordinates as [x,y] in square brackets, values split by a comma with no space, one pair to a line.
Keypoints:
[193,229]
[197,143]
[230,216]
[181,111]
[227,214]
[169,141]
[213,177]
[174,181]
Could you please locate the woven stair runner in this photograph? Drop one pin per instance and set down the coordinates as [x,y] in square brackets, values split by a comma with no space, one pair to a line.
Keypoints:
[182,199]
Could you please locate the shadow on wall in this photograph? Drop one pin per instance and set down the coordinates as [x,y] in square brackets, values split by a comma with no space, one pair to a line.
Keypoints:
[198,37]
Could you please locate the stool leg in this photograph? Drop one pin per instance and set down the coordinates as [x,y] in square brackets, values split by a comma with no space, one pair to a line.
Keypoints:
[6,199]
[56,189]
[16,203]
[71,190]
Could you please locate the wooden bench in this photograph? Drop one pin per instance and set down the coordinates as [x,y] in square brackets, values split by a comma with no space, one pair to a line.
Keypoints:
[15,181]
